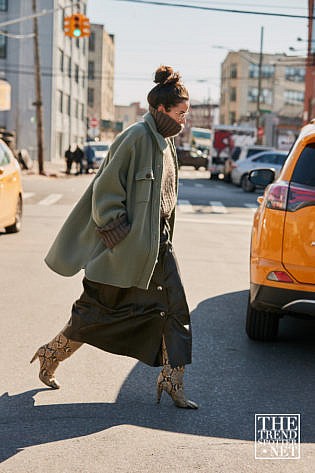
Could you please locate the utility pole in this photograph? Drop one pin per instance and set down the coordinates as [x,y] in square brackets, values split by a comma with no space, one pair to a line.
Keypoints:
[259,84]
[38,96]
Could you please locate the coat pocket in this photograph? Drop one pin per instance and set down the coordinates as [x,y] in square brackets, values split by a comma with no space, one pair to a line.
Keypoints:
[144,180]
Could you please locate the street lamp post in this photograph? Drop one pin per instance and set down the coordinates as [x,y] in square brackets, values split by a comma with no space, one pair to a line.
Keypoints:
[259,85]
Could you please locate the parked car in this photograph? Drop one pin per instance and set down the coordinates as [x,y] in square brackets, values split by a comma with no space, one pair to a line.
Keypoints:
[10,191]
[100,150]
[274,159]
[192,157]
[240,153]
[282,255]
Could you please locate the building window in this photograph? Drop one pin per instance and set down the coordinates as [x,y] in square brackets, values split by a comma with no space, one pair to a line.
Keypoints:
[62,16]
[293,97]
[233,94]
[233,71]
[68,105]
[60,143]
[69,66]
[82,112]
[76,108]
[267,71]
[265,95]
[90,97]
[60,101]
[91,69]
[3,5]
[92,41]
[84,45]
[295,74]
[76,73]
[83,79]
[61,60]
[3,47]
[232,118]
[77,43]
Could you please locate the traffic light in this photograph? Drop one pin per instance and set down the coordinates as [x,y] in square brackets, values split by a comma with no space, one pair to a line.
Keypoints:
[77,26]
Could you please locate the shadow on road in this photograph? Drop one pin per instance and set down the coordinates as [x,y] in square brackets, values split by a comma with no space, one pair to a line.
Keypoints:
[231,377]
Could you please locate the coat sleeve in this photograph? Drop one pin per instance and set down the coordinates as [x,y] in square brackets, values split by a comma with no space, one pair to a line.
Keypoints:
[109,196]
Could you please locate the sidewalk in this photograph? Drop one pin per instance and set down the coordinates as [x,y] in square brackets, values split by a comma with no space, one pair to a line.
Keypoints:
[51,169]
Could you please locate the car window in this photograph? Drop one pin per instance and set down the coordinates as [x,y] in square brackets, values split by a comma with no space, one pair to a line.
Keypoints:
[304,171]
[236,153]
[4,158]
[280,159]
[266,158]
[252,151]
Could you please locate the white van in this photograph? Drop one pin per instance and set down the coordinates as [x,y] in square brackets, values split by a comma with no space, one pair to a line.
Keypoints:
[100,150]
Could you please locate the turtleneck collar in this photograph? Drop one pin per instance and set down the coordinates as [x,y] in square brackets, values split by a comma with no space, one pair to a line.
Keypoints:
[165,124]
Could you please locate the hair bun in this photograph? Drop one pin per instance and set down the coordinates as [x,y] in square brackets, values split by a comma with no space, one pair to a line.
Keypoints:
[166,75]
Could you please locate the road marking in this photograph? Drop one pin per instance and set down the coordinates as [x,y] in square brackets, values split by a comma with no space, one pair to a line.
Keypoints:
[28,195]
[214,221]
[185,206]
[199,185]
[50,199]
[218,207]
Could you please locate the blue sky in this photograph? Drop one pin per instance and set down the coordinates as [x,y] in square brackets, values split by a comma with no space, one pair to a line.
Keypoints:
[147,36]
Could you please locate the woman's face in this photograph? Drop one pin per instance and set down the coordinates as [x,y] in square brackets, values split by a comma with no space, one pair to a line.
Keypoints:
[178,113]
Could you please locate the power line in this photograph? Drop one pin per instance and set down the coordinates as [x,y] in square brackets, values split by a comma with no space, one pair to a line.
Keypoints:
[222,10]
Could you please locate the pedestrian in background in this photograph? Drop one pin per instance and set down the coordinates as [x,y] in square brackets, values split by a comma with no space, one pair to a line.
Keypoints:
[90,157]
[120,232]
[69,160]
[78,156]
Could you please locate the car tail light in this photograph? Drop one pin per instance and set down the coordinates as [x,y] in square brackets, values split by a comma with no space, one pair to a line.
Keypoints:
[277,195]
[300,197]
[280,276]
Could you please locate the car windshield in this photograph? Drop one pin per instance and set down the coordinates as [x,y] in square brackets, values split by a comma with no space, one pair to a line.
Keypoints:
[100,147]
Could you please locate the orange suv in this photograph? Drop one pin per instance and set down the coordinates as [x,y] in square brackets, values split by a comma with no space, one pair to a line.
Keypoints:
[282,258]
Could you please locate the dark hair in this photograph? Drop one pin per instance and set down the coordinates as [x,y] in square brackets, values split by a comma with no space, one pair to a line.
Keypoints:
[169,91]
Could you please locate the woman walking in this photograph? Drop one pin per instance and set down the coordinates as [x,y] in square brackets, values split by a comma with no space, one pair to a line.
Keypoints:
[120,232]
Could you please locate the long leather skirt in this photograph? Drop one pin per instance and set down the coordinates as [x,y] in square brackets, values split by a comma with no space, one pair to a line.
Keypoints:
[133,321]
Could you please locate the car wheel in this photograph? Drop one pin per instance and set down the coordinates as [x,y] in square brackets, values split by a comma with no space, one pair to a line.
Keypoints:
[196,167]
[246,185]
[261,325]
[16,227]
[213,177]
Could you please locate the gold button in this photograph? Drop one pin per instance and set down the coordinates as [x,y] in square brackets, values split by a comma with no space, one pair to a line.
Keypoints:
[162,314]
[160,288]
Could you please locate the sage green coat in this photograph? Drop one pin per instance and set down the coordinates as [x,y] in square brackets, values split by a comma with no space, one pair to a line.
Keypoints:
[129,181]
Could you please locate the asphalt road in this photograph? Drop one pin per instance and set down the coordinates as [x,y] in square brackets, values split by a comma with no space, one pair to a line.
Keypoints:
[104,418]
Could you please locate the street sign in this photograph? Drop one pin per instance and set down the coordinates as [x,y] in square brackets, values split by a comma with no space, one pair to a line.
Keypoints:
[94,122]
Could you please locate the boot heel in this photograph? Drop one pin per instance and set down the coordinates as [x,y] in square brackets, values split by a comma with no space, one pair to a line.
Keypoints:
[159,392]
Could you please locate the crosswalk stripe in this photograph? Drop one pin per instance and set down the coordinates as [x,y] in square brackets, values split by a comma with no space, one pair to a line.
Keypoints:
[185,206]
[218,207]
[50,199]
[28,195]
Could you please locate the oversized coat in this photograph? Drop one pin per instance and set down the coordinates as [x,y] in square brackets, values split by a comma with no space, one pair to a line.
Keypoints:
[128,182]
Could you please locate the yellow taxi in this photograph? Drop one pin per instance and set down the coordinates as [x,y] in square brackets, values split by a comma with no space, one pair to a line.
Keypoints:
[282,257]
[10,191]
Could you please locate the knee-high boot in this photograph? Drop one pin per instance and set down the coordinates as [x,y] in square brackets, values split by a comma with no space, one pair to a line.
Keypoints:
[50,355]
[171,380]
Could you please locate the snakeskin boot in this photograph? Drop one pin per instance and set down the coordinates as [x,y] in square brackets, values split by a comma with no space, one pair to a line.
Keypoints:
[51,354]
[171,380]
